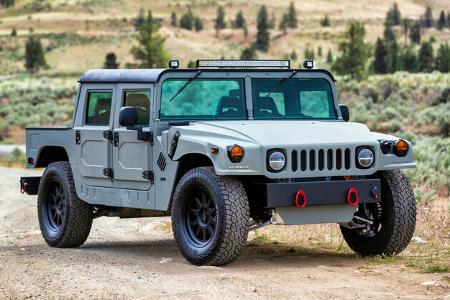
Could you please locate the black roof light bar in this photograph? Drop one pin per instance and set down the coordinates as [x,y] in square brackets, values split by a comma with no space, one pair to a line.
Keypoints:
[225,63]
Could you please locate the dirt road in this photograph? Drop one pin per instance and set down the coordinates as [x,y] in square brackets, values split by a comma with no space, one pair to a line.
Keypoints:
[139,259]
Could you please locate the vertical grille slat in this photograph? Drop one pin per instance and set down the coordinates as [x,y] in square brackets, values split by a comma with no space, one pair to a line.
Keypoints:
[338,159]
[312,160]
[294,160]
[303,160]
[330,159]
[347,159]
[321,162]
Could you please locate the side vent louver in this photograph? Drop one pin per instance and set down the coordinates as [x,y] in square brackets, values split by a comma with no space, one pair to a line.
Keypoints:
[162,162]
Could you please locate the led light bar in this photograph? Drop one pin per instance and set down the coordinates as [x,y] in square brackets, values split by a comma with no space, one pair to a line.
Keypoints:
[243,63]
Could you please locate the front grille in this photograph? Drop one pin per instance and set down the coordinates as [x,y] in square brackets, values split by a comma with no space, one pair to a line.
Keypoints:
[314,160]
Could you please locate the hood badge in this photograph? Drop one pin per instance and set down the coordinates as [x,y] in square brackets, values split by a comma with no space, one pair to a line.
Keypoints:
[238,167]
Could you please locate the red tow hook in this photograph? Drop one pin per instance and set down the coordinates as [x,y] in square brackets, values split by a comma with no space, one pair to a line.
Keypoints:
[300,199]
[352,197]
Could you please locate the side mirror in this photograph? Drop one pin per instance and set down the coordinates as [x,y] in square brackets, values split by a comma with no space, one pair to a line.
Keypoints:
[344,112]
[128,116]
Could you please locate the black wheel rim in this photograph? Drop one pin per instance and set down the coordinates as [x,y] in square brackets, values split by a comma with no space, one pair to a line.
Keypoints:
[374,213]
[56,205]
[201,216]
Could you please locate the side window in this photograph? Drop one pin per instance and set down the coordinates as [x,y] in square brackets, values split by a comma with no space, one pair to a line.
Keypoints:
[98,108]
[140,100]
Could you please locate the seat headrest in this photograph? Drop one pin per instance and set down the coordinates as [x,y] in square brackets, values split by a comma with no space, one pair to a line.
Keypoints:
[139,100]
[228,102]
[266,103]
[103,104]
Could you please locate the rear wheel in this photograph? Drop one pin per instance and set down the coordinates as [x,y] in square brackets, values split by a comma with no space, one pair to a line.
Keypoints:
[384,228]
[64,219]
[210,217]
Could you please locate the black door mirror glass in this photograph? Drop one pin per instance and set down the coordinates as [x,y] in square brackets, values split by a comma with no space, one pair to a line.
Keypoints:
[345,113]
[128,116]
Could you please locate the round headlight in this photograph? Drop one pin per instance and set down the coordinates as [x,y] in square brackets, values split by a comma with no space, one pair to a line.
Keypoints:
[365,158]
[277,160]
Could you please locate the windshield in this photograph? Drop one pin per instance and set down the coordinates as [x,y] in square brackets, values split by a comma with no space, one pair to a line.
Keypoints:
[203,99]
[294,99]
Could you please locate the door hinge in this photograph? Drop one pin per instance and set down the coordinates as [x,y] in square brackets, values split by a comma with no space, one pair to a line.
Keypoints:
[116,139]
[109,172]
[108,135]
[77,137]
[146,136]
[149,175]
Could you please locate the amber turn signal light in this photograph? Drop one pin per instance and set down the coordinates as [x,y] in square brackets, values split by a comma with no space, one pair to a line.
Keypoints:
[235,153]
[401,148]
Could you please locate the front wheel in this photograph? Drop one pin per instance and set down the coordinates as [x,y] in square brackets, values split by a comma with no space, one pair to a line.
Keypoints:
[210,217]
[393,220]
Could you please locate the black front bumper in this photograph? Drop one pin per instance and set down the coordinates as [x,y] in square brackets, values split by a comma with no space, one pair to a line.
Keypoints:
[314,193]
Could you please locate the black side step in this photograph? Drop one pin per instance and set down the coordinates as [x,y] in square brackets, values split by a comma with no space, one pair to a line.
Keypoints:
[30,185]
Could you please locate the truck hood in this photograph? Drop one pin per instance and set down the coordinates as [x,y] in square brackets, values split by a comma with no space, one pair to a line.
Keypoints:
[286,133]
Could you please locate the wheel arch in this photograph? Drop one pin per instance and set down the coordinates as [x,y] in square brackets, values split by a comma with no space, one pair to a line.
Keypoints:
[51,154]
[188,162]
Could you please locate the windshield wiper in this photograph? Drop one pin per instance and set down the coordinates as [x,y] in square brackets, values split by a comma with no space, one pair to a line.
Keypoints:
[279,83]
[185,86]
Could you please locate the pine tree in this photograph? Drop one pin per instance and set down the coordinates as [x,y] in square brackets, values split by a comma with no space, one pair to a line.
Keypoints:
[443,58]
[442,22]
[393,16]
[239,21]
[248,54]
[426,57]
[284,23]
[410,62]
[353,51]
[34,55]
[139,20]
[173,19]
[390,41]
[380,62]
[187,20]
[191,64]
[293,55]
[428,18]
[448,19]
[220,22]
[414,33]
[308,53]
[14,32]
[198,24]
[150,51]
[319,51]
[325,22]
[292,16]
[262,25]
[110,61]
[329,57]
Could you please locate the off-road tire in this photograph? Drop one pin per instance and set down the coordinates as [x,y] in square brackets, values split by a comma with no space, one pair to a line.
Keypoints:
[232,215]
[78,215]
[398,219]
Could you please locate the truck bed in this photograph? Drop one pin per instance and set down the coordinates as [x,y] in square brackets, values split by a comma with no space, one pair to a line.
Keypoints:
[38,138]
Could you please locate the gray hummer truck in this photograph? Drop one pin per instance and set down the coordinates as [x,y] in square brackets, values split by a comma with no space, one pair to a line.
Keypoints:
[222,148]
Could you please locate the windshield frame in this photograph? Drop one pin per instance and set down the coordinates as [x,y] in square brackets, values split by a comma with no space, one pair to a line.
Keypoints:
[247,75]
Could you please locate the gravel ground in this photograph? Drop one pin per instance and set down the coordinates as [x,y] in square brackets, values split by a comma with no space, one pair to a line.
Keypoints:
[138,258]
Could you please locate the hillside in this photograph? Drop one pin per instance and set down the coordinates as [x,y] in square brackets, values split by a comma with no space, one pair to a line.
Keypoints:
[84,31]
